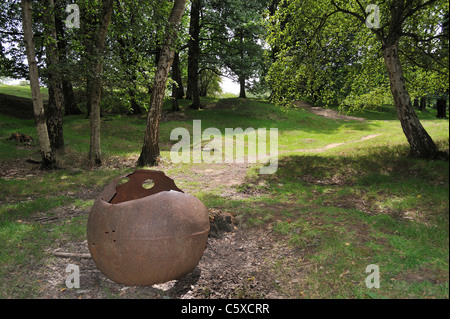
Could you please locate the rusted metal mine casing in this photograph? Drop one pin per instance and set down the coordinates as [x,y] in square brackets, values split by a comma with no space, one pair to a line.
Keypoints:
[141,237]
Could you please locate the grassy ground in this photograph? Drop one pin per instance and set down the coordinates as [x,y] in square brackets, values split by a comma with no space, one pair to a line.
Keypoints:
[341,210]
[21,91]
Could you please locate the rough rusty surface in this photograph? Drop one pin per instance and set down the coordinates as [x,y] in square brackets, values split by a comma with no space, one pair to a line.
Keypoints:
[133,188]
[141,237]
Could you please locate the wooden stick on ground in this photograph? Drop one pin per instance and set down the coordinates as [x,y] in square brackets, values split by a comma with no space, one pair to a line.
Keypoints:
[69,255]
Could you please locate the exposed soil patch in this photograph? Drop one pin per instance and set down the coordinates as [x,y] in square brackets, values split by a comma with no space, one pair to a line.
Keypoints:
[168,116]
[328,113]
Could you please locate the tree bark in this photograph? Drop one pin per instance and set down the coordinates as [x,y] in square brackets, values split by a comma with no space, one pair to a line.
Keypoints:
[423,103]
[422,146]
[150,150]
[242,77]
[242,94]
[193,58]
[55,114]
[96,83]
[441,107]
[70,102]
[176,73]
[56,96]
[48,159]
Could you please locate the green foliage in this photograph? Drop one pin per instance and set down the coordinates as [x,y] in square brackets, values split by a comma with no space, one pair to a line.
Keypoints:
[237,35]
[209,83]
[325,55]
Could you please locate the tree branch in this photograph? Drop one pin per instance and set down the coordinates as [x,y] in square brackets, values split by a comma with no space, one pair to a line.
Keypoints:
[419,7]
[377,32]
[418,39]
[339,9]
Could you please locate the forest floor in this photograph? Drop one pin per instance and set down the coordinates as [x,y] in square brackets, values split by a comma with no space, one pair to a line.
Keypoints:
[345,195]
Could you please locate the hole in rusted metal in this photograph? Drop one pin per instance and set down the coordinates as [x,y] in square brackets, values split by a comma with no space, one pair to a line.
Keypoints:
[148,184]
[140,184]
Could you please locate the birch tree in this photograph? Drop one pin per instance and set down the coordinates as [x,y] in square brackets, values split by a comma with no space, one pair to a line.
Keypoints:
[95,88]
[48,159]
[150,150]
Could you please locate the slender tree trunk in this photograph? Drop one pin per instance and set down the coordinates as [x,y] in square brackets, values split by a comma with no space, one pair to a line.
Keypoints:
[193,58]
[422,146]
[48,159]
[70,102]
[56,99]
[55,114]
[176,69]
[150,150]
[96,83]
[423,103]
[242,87]
[441,107]
[242,77]
[175,105]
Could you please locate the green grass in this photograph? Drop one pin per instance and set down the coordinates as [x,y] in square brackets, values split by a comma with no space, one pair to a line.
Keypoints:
[21,91]
[372,207]
[341,210]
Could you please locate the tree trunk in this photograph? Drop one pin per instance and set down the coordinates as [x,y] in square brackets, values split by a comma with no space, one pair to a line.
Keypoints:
[441,107]
[96,83]
[193,58]
[56,97]
[242,77]
[55,114]
[175,105]
[48,160]
[242,87]
[423,103]
[422,146]
[176,69]
[150,150]
[70,102]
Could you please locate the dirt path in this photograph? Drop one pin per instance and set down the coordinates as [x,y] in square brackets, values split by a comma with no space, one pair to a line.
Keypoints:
[334,145]
[328,113]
